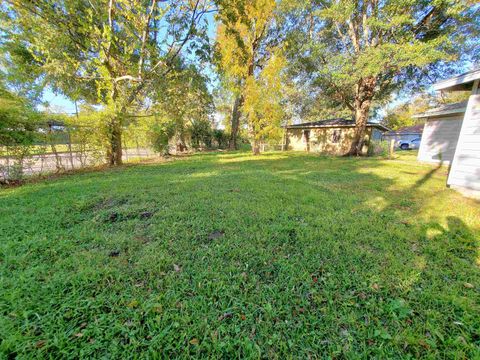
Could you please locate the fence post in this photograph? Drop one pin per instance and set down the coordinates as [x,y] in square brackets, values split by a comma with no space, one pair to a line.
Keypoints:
[70,147]
[8,158]
[125,147]
[391,148]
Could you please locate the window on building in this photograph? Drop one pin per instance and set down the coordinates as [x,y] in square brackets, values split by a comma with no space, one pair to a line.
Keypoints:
[336,136]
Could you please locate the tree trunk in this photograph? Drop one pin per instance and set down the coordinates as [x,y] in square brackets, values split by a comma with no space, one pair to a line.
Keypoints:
[361,119]
[363,102]
[114,153]
[256,147]
[58,161]
[235,124]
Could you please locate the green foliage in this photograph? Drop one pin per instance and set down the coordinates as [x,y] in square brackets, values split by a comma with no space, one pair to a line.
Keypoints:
[263,101]
[306,104]
[378,148]
[230,256]
[202,134]
[89,132]
[402,114]
[19,124]
[114,53]
[23,73]
[184,99]
[386,41]
[251,63]
[18,120]
[221,138]
[242,39]
[356,54]
[160,134]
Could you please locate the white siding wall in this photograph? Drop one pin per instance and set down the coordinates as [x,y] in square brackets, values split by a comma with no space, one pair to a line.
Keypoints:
[465,170]
[439,139]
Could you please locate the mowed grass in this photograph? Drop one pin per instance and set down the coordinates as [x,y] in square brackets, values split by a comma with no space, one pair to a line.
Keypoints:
[284,255]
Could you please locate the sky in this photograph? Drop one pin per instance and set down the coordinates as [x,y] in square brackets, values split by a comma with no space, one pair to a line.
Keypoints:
[57,102]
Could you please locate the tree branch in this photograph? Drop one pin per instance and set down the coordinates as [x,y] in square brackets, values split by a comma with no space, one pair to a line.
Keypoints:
[145,37]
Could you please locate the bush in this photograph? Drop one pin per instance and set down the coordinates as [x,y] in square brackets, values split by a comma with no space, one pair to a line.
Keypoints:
[378,148]
[201,134]
[160,134]
[12,169]
[221,138]
[18,134]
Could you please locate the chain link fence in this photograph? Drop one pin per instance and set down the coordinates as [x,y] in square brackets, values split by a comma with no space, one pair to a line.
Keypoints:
[58,148]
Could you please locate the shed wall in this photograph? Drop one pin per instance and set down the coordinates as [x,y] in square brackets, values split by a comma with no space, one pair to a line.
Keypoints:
[465,170]
[331,140]
[439,139]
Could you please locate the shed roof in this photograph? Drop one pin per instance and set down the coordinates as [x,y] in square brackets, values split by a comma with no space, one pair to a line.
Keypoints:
[333,123]
[443,110]
[406,130]
[460,82]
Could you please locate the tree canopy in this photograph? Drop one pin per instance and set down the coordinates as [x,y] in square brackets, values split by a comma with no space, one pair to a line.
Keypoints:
[250,60]
[402,114]
[18,119]
[355,53]
[155,65]
[110,52]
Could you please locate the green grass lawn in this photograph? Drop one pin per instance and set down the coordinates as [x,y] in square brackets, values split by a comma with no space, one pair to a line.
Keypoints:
[284,255]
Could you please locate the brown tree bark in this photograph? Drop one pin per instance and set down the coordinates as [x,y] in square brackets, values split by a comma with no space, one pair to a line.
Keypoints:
[58,160]
[362,104]
[235,122]
[114,153]
[361,119]
[256,147]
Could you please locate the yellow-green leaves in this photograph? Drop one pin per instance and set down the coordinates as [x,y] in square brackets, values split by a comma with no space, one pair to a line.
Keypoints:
[263,100]
[251,63]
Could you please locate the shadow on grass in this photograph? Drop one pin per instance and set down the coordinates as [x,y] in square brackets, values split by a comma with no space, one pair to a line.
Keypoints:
[427,177]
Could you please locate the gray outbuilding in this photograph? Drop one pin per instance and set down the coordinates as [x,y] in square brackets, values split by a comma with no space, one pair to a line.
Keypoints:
[404,134]
[452,133]
[441,132]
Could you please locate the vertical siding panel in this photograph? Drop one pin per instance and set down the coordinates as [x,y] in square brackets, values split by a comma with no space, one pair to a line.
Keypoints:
[439,140]
[465,170]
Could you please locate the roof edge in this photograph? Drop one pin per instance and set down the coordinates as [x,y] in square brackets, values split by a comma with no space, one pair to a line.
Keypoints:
[464,78]
[300,126]
[439,113]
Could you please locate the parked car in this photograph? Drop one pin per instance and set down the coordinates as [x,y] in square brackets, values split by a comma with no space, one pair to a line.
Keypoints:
[409,145]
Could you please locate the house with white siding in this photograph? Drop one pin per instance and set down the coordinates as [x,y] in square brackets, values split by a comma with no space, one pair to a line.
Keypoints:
[452,133]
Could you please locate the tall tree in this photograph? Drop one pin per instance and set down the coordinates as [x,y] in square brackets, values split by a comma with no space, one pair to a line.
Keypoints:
[358,52]
[115,51]
[247,41]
